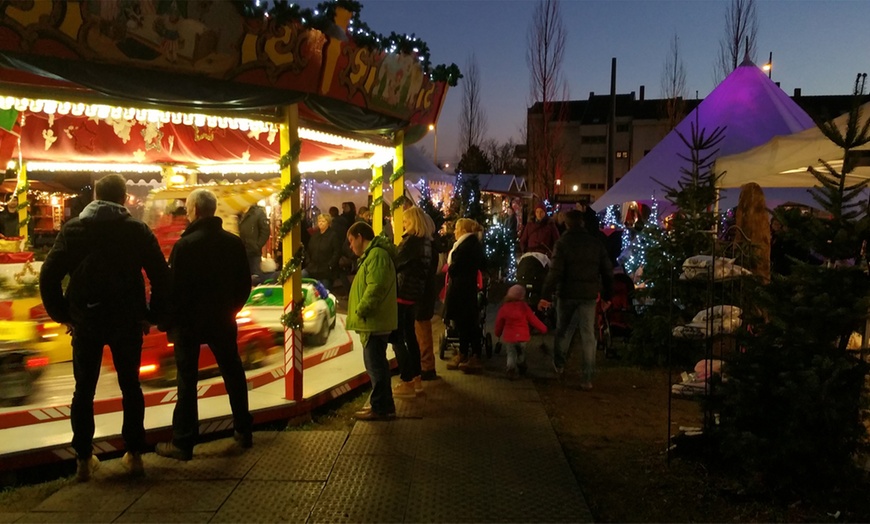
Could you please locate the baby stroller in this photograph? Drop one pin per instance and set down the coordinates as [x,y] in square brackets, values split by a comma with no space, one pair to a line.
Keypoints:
[617,319]
[450,339]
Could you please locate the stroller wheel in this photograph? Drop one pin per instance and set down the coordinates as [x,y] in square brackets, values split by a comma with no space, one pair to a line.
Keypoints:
[487,345]
[497,348]
[442,347]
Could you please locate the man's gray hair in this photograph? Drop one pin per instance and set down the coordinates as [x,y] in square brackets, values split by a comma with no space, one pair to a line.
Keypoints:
[204,202]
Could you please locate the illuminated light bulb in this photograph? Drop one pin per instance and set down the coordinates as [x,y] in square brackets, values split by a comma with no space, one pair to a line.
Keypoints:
[116,113]
[103,112]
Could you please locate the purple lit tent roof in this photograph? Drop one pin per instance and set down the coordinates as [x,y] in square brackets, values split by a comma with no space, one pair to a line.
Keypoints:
[750,107]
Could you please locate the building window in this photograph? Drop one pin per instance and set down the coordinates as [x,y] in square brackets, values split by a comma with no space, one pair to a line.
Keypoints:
[622,154]
[591,186]
[592,160]
[593,139]
[622,128]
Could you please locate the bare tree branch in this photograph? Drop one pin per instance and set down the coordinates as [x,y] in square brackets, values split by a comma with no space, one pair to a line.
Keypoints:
[472,117]
[741,29]
[544,55]
[674,85]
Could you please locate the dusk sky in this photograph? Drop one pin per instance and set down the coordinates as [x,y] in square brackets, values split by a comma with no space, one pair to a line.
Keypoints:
[818,46]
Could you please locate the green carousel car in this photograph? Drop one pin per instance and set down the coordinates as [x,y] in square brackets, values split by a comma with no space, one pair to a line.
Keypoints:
[265,306]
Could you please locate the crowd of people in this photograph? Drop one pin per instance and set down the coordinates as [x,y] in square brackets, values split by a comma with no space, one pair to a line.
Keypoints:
[195,296]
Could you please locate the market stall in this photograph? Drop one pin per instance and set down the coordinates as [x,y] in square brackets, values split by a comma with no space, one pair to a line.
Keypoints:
[89,82]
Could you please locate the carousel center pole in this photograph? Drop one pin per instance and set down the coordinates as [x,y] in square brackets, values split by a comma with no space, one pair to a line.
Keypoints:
[292,290]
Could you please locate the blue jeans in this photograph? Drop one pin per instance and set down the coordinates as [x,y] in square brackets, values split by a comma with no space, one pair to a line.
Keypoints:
[378,369]
[571,314]
[516,354]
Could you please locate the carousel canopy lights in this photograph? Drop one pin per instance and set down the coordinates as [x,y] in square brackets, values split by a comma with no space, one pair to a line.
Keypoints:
[53,167]
[101,111]
[327,138]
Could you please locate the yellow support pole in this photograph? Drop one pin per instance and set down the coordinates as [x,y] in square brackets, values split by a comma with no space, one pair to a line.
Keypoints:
[22,200]
[290,244]
[398,186]
[377,193]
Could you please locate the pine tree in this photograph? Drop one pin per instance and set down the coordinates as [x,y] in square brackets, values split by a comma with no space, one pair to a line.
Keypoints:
[691,232]
[790,409]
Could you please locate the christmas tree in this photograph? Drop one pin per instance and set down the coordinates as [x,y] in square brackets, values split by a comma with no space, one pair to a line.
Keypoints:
[791,407]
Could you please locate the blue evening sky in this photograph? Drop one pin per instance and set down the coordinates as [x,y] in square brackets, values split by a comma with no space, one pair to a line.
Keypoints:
[817,45]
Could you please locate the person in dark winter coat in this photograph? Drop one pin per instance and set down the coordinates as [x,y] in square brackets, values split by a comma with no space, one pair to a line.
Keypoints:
[465,261]
[541,235]
[579,269]
[254,232]
[512,326]
[413,264]
[9,224]
[324,249]
[211,283]
[104,251]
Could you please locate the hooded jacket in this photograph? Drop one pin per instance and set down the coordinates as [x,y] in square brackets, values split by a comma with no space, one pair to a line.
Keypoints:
[513,320]
[371,306]
[413,263]
[104,251]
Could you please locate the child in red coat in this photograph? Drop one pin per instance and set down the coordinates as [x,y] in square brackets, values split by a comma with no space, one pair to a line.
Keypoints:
[512,325]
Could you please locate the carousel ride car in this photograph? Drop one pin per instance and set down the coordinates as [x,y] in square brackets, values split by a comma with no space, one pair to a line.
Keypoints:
[158,355]
[20,363]
[265,307]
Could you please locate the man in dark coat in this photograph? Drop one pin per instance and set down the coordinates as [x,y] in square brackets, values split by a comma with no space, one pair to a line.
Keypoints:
[104,251]
[210,285]
[579,269]
[254,232]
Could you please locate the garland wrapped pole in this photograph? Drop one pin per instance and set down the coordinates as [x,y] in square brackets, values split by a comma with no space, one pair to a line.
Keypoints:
[377,191]
[21,196]
[398,183]
[292,286]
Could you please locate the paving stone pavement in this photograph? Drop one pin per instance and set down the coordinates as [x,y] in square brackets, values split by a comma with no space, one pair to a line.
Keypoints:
[472,448]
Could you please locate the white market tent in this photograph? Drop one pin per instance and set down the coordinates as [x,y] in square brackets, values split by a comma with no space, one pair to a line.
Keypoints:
[750,107]
[784,160]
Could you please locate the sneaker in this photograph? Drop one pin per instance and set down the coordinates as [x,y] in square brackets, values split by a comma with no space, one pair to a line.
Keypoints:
[586,386]
[429,375]
[133,463]
[85,468]
[511,373]
[472,365]
[404,390]
[457,360]
[244,440]
[522,367]
[170,450]
[418,385]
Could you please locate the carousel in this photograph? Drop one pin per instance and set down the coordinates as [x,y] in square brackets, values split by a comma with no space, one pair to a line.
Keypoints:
[215,93]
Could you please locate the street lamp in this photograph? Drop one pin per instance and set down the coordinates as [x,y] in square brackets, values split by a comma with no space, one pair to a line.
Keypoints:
[435,155]
[769,65]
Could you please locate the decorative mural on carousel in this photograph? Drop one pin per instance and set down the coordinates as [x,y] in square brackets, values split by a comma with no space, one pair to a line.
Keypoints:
[326,57]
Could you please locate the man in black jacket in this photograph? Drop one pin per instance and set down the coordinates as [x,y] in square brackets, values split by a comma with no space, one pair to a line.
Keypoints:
[254,232]
[104,251]
[579,269]
[210,285]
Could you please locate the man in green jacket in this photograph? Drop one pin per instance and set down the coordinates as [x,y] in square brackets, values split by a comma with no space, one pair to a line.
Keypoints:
[372,312]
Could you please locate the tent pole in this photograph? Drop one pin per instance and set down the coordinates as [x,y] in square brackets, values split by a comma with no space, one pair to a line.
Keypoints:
[398,185]
[289,135]
[377,191]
